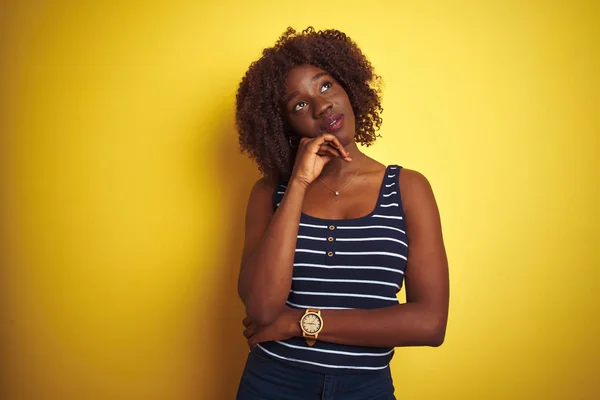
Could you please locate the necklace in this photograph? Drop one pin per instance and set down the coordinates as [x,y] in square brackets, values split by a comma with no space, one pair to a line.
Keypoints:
[337,192]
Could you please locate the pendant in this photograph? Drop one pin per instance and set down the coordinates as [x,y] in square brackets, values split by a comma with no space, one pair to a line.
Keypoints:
[337,193]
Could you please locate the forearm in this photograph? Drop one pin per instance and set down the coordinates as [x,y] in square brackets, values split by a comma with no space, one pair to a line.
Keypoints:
[266,274]
[410,324]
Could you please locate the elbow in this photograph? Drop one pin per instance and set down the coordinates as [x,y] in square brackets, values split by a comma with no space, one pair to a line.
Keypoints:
[436,333]
[258,309]
[437,340]
[262,314]
[262,318]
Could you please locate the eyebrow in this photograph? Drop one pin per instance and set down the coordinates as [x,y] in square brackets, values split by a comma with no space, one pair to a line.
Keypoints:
[296,93]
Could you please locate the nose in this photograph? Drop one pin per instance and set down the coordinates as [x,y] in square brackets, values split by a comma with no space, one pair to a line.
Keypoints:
[321,106]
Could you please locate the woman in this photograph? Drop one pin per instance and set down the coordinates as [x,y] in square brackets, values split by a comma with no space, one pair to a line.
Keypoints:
[330,233]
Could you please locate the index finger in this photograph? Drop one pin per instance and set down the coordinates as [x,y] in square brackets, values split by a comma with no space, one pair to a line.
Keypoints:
[328,137]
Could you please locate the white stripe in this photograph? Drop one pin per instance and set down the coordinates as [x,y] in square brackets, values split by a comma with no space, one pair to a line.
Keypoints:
[390,205]
[310,238]
[278,204]
[369,253]
[389,194]
[391,176]
[387,216]
[367,296]
[397,271]
[314,226]
[309,251]
[280,192]
[319,364]
[345,353]
[321,307]
[371,239]
[371,227]
[346,281]
[393,167]
[390,185]
[283,186]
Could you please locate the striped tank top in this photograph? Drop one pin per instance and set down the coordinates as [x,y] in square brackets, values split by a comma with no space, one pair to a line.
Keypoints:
[345,264]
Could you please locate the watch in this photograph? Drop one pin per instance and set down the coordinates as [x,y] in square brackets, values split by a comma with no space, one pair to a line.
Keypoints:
[311,324]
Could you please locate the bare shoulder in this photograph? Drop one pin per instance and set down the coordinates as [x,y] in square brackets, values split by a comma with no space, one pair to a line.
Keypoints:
[263,187]
[415,189]
[266,182]
[411,177]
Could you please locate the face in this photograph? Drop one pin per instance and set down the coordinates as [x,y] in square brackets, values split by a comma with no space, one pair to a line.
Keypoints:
[315,103]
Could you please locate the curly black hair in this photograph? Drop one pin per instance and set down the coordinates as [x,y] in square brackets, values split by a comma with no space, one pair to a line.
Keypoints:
[263,130]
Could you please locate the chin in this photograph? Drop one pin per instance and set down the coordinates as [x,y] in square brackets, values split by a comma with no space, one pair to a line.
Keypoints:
[345,138]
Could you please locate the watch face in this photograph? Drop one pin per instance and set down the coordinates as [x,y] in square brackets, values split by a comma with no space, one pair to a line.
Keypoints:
[311,323]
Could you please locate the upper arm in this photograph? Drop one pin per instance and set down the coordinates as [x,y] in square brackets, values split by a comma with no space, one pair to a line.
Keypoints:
[259,212]
[427,278]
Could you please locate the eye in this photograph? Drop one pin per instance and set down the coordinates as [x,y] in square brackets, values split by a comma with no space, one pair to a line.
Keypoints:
[299,106]
[325,86]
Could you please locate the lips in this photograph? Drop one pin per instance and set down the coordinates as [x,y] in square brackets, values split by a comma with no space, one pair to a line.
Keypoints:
[333,123]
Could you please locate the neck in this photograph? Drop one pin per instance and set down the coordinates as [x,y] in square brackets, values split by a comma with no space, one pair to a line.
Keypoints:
[338,168]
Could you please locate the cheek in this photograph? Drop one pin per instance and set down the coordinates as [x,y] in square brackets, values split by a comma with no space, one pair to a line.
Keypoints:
[303,126]
[348,104]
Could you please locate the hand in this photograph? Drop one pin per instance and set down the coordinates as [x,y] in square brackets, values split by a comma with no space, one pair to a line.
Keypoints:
[313,154]
[286,326]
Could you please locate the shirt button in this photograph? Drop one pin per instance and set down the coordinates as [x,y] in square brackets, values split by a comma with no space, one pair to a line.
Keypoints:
[331,227]
[330,239]
[330,253]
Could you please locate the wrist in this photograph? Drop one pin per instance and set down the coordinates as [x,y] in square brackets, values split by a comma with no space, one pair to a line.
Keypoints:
[294,323]
[298,184]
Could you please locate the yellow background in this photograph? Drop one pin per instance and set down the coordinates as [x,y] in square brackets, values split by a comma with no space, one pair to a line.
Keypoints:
[124,191]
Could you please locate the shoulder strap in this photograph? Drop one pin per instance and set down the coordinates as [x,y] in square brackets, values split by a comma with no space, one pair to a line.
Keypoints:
[278,194]
[389,205]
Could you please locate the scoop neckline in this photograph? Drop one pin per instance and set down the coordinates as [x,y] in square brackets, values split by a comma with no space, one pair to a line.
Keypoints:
[385,174]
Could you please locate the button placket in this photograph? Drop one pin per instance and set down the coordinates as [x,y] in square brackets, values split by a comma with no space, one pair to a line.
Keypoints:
[330,242]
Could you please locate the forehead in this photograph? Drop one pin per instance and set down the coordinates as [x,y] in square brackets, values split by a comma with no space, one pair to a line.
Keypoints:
[302,74]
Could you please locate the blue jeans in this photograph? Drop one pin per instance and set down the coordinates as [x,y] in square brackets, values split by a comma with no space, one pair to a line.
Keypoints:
[267,379]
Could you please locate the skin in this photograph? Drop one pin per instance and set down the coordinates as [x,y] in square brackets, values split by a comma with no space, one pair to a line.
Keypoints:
[266,271]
